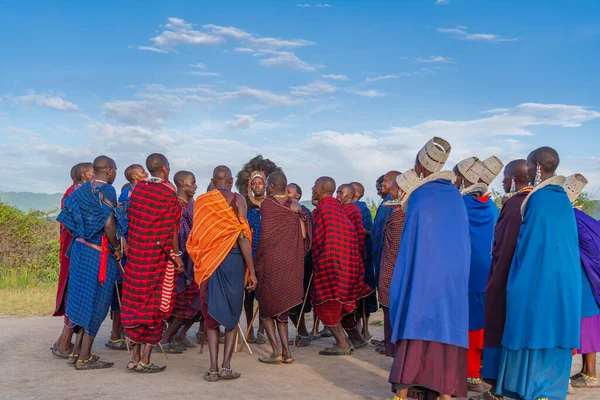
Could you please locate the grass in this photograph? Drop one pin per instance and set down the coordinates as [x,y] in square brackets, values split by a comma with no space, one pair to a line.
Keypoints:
[377,322]
[27,302]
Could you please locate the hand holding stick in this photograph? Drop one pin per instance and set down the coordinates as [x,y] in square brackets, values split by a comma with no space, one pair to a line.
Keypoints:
[188,282]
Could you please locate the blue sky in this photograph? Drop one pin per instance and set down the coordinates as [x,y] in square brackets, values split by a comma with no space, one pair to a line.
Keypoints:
[350,89]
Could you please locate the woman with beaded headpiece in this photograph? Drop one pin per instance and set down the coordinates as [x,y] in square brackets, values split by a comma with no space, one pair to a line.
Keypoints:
[250,183]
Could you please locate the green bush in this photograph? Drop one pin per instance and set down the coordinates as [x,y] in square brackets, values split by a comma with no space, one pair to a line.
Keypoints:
[29,248]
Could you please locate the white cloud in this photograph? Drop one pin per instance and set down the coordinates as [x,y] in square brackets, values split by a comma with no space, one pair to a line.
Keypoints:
[382,78]
[442,1]
[203,73]
[367,93]
[266,97]
[286,60]
[314,89]
[306,5]
[336,77]
[142,113]
[435,59]
[199,66]
[154,49]
[178,32]
[462,34]
[46,100]
[241,122]
[255,41]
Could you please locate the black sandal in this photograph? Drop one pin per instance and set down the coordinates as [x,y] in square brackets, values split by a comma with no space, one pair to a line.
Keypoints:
[212,377]
[270,360]
[336,351]
[149,368]
[57,353]
[228,374]
[118,344]
[92,363]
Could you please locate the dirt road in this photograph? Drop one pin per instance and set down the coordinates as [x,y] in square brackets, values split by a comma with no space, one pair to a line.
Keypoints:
[29,371]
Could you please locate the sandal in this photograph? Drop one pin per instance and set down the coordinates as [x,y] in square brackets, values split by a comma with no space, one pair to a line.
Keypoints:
[56,352]
[212,376]
[131,365]
[186,342]
[118,344]
[377,342]
[200,336]
[168,348]
[270,360]
[251,339]
[582,380]
[326,333]
[260,339]
[360,345]
[336,351]
[228,374]
[149,368]
[288,360]
[92,363]
[72,359]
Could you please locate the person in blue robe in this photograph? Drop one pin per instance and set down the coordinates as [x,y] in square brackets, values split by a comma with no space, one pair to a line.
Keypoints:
[543,303]
[89,213]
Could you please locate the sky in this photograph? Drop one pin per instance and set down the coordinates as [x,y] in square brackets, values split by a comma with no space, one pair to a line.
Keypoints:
[349,89]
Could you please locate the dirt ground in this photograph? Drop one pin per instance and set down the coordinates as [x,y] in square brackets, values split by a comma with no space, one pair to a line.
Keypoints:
[29,371]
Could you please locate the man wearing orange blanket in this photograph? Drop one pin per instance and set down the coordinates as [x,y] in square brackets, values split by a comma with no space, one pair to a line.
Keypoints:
[220,246]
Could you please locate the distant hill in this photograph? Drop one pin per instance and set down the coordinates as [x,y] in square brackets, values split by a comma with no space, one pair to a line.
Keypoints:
[308,204]
[26,201]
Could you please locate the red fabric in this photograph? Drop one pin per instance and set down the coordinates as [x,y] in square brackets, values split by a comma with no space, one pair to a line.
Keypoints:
[392,233]
[154,216]
[209,322]
[182,306]
[475,353]
[354,215]
[103,260]
[279,260]
[338,271]
[332,312]
[63,276]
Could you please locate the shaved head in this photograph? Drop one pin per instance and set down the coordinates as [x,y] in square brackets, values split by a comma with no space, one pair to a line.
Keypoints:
[276,183]
[547,159]
[294,187]
[359,190]
[222,178]
[345,193]
[130,172]
[517,170]
[156,163]
[386,185]
[105,169]
[327,183]
[181,176]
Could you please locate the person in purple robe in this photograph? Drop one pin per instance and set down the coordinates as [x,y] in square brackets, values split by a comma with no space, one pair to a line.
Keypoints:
[589,249]
[506,234]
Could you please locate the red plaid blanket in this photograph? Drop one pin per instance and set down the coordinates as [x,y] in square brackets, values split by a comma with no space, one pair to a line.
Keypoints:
[392,233]
[154,215]
[337,265]
[355,216]
[280,255]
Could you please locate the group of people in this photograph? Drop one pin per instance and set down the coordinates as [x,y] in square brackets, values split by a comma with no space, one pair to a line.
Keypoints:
[453,275]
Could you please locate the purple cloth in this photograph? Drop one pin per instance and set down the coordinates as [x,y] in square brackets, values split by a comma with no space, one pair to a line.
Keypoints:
[187,217]
[590,335]
[589,249]
[506,234]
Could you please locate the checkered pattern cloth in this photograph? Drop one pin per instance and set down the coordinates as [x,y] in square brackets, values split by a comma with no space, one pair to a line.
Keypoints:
[353,213]
[154,216]
[255,226]
[85,213]
[337,272]
[279,261]
[187,300]
[63,276]
[383,213]
[392,233]
[333,312]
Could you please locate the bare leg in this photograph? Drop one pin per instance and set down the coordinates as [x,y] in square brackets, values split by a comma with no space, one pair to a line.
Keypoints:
[146,354]
[86,346]
[213,349]
[137,352]
[589,364]
[340,336]
[184,330]
[229,345]
[116,326]
[174,326]
[78,342]
[302,331]
[249,310]
[269,325]
[64,340]
[282,328]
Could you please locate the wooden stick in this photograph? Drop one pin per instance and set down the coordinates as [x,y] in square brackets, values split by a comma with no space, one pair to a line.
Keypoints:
[316,326]
[121,307]
[244,339]
[163,350]
[364,316]
[301,315]
[203,334]
[250,326]
[237,340]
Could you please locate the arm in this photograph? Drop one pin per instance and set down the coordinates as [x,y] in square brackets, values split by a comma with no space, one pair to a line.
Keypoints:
[110,231]
[245,245]
[175,245]
[296,207]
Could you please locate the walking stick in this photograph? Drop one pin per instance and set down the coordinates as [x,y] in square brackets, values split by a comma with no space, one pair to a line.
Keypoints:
[302,309]
[163,350]
[188,281]
[250,324]
[316,326]
[121,307]
[201,349]
[364,318]
[244,339]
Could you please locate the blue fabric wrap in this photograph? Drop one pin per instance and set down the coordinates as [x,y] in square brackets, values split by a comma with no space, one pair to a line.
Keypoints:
[482,218]
[85,215]
[254,222]
[491,362]
[123,210]
[534,374]
[543,304]
[225,296]
[589,249]
[381,217]
[589,305]
[429,288]
[367,220]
